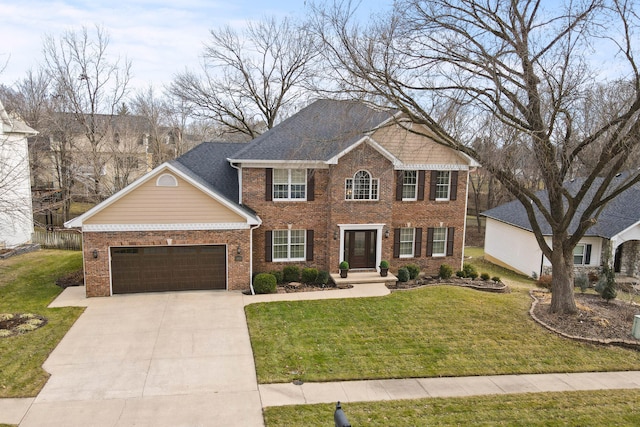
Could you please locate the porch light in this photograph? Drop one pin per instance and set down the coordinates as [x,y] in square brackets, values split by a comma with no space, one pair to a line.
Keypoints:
[238,251]
[95,254]
[386,233]
[335,235]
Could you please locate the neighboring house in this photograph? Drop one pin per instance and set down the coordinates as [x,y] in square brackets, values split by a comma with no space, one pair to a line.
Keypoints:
[337,181]
[509,239]
[16,215]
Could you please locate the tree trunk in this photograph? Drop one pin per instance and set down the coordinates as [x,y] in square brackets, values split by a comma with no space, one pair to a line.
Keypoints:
[562,298]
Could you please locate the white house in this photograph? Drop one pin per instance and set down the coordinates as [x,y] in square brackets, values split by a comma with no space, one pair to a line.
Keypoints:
[16,212]
[509,239]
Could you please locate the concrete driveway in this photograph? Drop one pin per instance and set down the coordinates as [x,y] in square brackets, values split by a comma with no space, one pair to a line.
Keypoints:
[165,359]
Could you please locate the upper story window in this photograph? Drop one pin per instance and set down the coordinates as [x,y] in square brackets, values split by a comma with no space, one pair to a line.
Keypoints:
[410,185]
[361,187]
[289,184]
[443,180]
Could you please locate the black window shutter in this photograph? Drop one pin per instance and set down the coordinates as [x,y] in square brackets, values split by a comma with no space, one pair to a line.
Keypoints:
[453,192]
[268,253]
[432,185]
[450,233]
[587,254]
[309,245]
[399,182]
[421,179]
[268,184]
[429,241]
[311,185]
[417,247]
[396,243]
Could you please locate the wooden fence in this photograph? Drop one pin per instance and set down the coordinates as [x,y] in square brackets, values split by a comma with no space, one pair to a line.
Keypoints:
[70,240]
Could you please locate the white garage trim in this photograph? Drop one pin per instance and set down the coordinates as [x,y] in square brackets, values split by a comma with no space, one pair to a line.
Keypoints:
[164,227]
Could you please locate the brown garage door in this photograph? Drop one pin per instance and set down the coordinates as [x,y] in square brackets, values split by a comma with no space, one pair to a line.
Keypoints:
[168,268]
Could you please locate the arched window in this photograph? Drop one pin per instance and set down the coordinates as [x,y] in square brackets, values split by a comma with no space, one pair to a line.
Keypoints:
[361,187]
[167,180]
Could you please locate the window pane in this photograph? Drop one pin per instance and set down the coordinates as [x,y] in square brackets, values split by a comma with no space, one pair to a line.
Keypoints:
[348,189]
[442,185]
[299,176]
[410,185]
[297,243]
[362,185]
[578,254]
[406,241]
[439,241]
[280,176]
[280,244]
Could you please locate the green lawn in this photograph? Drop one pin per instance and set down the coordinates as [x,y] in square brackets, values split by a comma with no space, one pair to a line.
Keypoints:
[27,284]
[587,408]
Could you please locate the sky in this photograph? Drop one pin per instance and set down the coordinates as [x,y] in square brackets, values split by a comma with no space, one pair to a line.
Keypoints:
[159,37]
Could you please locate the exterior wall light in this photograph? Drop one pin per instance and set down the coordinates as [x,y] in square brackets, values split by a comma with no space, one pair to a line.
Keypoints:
[95,254]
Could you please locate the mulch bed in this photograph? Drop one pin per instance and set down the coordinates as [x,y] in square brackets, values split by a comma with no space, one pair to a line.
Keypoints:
[75,278]
[477,284]
[597,321]
[19,323]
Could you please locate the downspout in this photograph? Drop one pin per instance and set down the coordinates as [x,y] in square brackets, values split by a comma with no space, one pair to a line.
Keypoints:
[239,169]
[464,226]
[251,255]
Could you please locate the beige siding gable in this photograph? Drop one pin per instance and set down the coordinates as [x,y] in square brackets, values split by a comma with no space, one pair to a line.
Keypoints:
[152,204]
[413,149]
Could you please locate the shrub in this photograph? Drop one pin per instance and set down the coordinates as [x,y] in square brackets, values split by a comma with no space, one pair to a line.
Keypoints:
[606,286]
[496,279]
[309,275]
[278,275]
[469,270]
[264,283]
[413,269]
[460,273]
[291,273]
[544,281]
[384,264]
[582,281]
[323,277]
[446,271]
[485,276]
[403,275]
[344,265]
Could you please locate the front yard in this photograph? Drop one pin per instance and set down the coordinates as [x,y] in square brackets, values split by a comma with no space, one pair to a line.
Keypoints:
[27,285]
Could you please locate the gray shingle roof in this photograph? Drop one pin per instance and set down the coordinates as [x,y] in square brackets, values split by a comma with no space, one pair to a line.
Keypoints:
[207,163]
[318,132]
[620,214]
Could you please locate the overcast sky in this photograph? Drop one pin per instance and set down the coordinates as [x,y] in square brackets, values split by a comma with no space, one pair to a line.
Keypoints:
[160,37]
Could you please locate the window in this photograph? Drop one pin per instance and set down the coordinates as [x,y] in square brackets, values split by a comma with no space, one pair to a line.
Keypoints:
[289,184]
[407,236]
[582,254]
[289,245]
[410,185]
[361,187]
[166,180]
[442,185]
[439,241]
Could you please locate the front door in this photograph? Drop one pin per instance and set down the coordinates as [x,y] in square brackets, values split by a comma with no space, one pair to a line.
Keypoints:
[360,248]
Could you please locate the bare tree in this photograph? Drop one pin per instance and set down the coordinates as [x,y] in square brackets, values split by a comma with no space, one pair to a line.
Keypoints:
[89,86]
[529,65]
[250,78]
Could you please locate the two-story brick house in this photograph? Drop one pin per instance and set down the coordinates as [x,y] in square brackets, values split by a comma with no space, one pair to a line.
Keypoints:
[337,181]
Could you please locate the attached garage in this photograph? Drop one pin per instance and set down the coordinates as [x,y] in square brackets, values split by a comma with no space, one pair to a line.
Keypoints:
[168,268]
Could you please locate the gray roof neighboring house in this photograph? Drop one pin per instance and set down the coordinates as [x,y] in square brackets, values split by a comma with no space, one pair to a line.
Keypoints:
[620,214]
[318,132]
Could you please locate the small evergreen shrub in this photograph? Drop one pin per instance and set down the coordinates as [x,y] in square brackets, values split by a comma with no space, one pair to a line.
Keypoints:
[485,276]
[309,275]
[606,286]
[446,271]
[460,273]
[264,283]
[544,281]
[581,281]
[403,275]
[323,277]
[344,265]
[413,269]
[291,273]
[496,279]
[384,264]
[469,270]
[278,275]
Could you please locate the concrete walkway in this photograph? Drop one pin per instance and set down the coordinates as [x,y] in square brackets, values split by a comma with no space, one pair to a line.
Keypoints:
[184,358]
